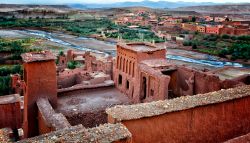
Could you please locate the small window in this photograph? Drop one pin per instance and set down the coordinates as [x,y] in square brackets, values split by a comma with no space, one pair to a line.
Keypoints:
[152,92]
[127,85]
[120,79]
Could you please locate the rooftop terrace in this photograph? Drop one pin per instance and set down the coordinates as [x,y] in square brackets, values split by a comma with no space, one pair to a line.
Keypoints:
[231,73]
[141,47]
[154,63]
[9,99]
[88,106]
[37,56]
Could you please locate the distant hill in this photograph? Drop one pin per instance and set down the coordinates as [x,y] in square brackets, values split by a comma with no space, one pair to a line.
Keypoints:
[146,3]
[15,7]
[219,9]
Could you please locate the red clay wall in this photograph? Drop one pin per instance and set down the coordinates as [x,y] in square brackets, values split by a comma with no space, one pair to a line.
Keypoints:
[156,85]
[48,119]
[212,30]
[241,139]
[185,82]
[43,125]
[40,78]
[10,112]
[205,83]
[212,123]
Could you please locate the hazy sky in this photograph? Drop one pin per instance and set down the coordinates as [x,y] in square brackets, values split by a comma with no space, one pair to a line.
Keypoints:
[102,1]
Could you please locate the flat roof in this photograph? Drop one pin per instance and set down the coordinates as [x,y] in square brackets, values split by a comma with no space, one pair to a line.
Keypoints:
[231,73]
[154,63]
[141,47]
[8,99]
[37,56]
[84,101]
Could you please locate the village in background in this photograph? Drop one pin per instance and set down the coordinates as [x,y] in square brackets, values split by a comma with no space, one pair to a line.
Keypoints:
[125,74]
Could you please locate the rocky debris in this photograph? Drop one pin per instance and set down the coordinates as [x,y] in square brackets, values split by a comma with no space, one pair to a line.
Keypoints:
[53,119]
[53,136]
[129,112]
[4,135]
[106,133]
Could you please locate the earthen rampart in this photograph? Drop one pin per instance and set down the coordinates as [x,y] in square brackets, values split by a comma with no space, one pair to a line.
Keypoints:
[211,117]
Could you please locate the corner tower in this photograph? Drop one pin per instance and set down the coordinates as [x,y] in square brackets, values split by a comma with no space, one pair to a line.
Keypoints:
[40,79]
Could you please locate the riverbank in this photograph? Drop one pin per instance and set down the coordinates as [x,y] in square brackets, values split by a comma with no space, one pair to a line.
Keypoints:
[171,47]
[178,56]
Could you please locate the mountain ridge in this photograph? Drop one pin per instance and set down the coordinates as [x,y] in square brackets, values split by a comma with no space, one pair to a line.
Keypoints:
[146,3]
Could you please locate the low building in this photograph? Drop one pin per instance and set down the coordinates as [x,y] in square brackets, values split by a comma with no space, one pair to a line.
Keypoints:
[212,29]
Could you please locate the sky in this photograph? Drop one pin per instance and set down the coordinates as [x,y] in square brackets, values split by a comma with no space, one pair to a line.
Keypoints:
[104,1]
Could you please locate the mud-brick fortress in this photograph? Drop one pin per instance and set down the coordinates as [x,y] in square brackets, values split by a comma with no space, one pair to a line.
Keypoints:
[136,97]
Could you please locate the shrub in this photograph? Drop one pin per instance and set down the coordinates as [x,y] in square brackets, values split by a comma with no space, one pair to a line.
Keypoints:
[4,85]
[194,46]
[73,64]
[225,36]
[187,43]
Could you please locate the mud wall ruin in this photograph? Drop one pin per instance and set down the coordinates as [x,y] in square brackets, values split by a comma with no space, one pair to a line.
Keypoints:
[48,119]
[212,117]
[10,111]
[41,82]
[107,133]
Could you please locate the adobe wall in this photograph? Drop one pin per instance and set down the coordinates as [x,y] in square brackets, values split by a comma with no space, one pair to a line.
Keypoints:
[40,78]
[212,30]
[185,82]
[48,119]
[189,27]
[211,117]
[10,111]
[156,85]
[227,30]
[205,82]
[234,31]
[127,66]
[68,78]
[160,54]
[241,139]
[107,133]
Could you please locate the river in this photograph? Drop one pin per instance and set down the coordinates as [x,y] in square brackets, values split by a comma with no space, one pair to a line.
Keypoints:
[207,61]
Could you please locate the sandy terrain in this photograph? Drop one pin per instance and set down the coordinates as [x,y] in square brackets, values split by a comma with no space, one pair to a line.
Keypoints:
[11,34]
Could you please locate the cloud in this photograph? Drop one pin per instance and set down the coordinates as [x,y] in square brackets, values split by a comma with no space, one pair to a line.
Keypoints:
[99,1]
